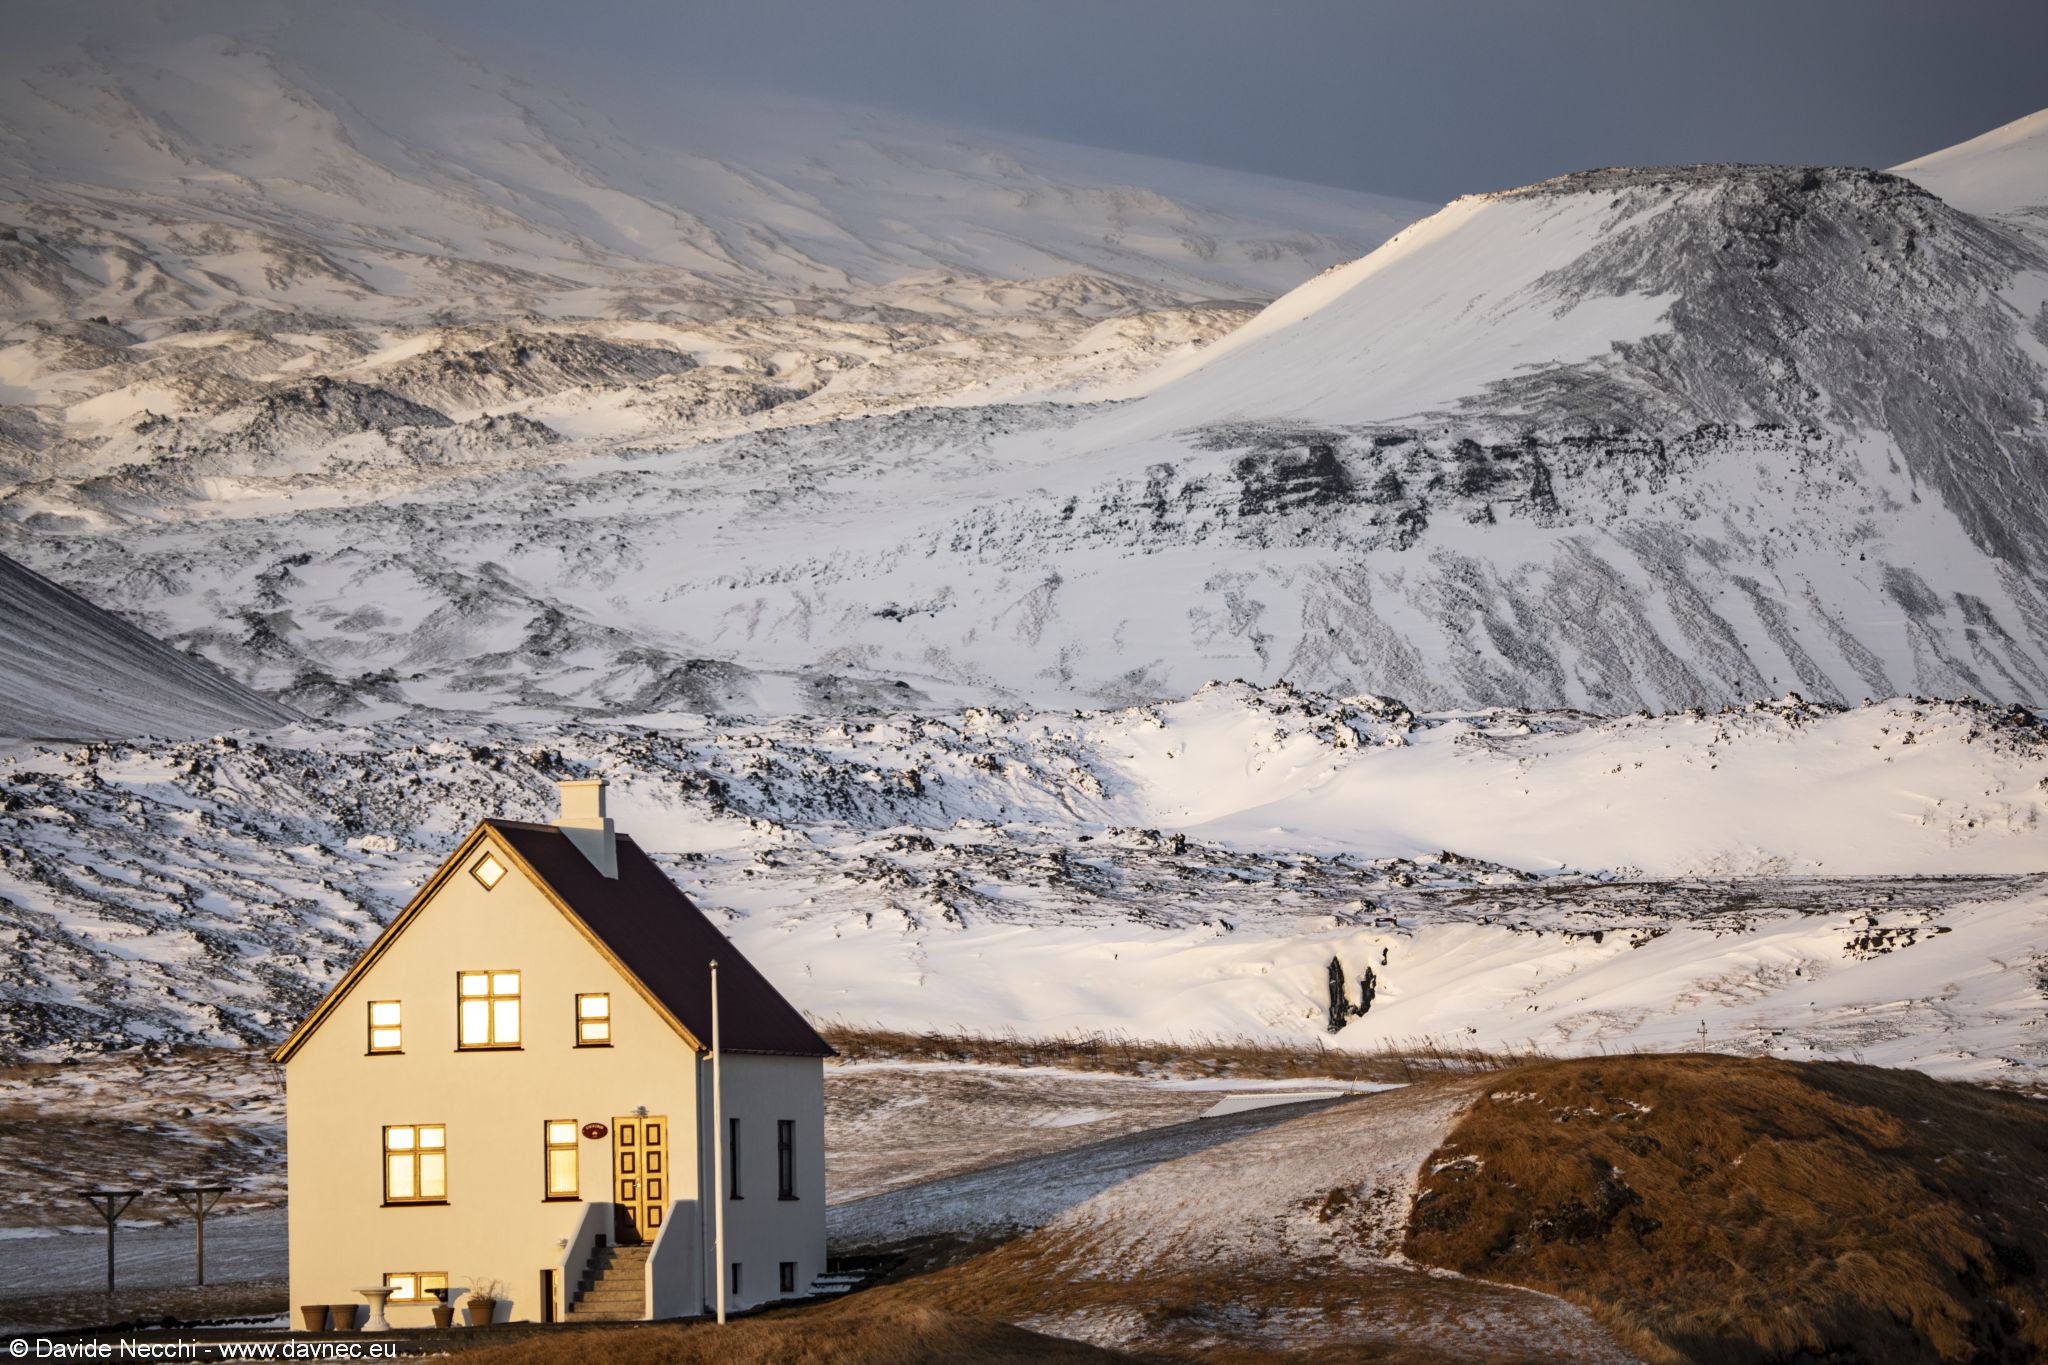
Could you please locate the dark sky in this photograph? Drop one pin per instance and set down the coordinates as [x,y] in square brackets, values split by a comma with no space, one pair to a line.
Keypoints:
[1428,99]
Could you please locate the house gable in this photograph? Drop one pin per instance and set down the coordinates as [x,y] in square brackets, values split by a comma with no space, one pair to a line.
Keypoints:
[656,941]
[467,854]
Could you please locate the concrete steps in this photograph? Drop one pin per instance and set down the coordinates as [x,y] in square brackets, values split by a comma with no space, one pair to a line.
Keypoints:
[613,1287]
[840,1282]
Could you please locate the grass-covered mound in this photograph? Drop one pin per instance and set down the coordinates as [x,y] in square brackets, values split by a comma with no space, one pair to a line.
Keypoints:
[1723,1209]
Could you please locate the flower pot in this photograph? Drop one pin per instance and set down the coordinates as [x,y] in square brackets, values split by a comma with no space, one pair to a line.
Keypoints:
[344,1316]
[314,1315]
[481,1311]
[444,1315]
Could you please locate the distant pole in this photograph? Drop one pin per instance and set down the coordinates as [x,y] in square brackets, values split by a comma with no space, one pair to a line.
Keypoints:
[198,1200]
[110,1204]
[717,1149]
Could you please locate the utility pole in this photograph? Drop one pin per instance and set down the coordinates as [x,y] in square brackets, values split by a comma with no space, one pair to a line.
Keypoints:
[198,1200]
[717,1150]
[110,1204]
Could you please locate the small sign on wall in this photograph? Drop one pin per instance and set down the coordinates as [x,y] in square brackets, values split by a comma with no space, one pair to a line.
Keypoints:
[594,1131]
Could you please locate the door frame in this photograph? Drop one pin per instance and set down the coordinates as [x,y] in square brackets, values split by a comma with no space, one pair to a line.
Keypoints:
[640,1177]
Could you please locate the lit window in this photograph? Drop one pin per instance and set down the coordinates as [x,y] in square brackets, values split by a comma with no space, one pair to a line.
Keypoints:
[561,1159]
[488,870]
[415,1163]
[593,1021]
[417,1286]
[488,1006]
[386,1035]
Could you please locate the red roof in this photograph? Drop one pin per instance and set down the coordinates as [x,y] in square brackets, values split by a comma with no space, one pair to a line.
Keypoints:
[666,942]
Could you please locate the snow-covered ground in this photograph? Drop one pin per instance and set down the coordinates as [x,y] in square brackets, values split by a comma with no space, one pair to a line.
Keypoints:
[1799,879]
[1272,1229]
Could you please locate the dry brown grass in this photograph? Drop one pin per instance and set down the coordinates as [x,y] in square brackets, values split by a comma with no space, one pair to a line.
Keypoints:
[1198,1055]
[1723,1209]
[855,1331]
[1389,1315]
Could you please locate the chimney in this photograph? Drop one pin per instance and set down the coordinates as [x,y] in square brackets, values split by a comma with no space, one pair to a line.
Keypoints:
[588,827]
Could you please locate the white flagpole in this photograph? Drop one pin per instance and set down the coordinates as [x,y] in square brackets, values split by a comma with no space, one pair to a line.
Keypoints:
[717,1149]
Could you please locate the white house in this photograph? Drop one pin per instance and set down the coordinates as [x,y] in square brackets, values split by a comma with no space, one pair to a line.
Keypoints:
[513,1084]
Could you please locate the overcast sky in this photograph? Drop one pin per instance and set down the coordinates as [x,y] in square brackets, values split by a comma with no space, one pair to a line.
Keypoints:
[1428,99]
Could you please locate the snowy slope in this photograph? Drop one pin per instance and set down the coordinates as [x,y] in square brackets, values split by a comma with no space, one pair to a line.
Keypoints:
[70,670]
[352,164]
[2003,172]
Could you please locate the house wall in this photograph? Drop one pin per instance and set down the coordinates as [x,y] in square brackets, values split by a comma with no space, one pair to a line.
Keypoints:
[761,1229]
[496,1223]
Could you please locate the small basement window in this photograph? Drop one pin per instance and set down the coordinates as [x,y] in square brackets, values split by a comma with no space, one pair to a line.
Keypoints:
[488,870]
[560,1140]
[386,1030]
[487,1005]
[417,1286]
[594,1020]
[416,1163]
[789,1277]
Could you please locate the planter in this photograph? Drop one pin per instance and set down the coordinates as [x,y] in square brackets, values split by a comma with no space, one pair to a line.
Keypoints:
[314,1315]
[444,1315]
[344,1316]
[481,1311]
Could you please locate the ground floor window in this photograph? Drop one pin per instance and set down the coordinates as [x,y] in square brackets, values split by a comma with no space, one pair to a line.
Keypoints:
[560,1139]
[415,1163]
[417,1286]
[789,1277]
[735,1277]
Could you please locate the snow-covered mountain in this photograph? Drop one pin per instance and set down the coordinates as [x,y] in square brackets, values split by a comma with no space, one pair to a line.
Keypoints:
[352,164]
[524,442]
[2002,174]
[71,671]
[901,412]
[1628,439]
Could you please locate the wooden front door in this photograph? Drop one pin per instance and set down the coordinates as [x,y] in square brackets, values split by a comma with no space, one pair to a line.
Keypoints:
[639,1178]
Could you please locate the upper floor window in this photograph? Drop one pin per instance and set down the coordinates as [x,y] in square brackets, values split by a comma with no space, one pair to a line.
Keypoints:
[488,1006]
[386,1031]
[561,1159]
[593,1021]
[785,1157]
[415,1163]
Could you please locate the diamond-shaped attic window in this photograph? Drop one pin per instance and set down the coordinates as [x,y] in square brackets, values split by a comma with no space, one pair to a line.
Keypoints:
[488,870]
